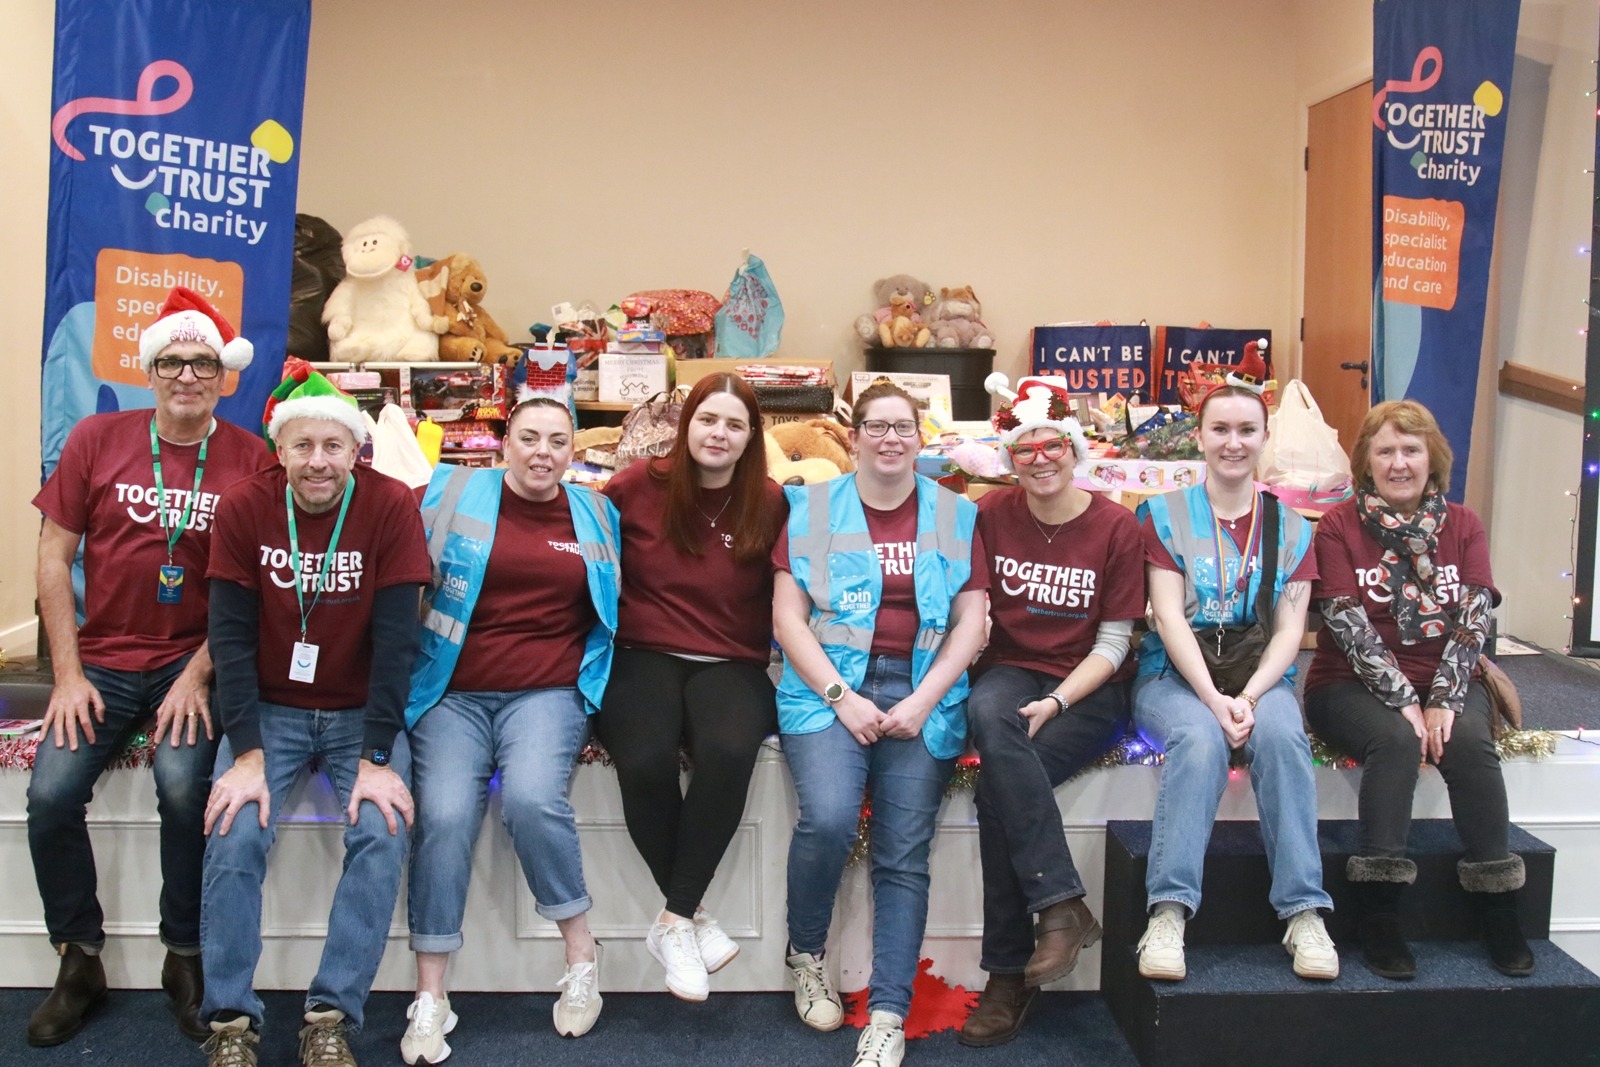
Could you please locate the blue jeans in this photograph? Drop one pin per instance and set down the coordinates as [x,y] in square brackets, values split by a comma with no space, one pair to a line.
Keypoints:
[533,737]
[58,798]
[1174,720]
[236,865]
[1026,863]
[831,773]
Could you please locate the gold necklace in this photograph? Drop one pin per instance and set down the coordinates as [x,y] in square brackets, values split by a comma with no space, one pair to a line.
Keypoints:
[713,519]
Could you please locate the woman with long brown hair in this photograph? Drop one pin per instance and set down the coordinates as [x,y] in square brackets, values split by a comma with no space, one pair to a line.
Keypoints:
[693,640]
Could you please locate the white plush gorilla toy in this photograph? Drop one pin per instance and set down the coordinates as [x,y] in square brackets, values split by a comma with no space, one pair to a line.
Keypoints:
[378,312]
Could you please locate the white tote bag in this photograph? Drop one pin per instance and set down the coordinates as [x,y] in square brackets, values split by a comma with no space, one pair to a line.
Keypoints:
[1302,451]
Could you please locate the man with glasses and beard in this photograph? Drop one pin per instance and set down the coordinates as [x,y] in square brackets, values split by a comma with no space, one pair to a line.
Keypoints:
[138,489]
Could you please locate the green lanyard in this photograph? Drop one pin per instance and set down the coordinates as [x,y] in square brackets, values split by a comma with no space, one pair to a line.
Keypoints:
[327,557]
[161,490]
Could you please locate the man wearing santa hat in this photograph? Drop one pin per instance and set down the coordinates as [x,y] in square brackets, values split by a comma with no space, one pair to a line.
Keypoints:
[138,489]
[316,577]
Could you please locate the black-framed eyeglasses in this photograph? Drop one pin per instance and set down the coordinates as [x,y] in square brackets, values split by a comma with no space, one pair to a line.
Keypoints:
[1054,448]
[878,427]
[172,367]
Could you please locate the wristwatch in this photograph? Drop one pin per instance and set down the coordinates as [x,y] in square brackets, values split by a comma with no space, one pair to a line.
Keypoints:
[834,693]
[378,757]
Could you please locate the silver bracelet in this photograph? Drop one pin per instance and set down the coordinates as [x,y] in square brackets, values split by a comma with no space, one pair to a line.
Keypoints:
[1061,701]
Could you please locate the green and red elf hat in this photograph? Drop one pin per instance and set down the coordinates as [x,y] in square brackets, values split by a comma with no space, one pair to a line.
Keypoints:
[307,394]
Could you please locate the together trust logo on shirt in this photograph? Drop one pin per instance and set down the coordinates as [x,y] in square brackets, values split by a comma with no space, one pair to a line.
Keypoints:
[344,570]
[566,546]
[144,505]
[1046,583]
[897,557]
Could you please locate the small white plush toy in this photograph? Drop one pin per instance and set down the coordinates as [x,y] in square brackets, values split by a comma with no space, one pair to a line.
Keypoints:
[378,313]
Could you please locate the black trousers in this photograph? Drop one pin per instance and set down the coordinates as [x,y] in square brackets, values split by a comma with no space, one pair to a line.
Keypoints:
[719,713]
[1348,717]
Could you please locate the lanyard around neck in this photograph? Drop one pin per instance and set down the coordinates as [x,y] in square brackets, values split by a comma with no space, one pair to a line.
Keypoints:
[176,531]
[327,556]
[1247,558]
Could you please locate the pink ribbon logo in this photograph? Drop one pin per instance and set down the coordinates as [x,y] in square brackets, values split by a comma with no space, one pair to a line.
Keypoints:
[144,102]
[1419,82]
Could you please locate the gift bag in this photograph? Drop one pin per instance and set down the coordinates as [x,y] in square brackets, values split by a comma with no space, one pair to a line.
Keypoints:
[749,323]
[1302,451]
[650,429]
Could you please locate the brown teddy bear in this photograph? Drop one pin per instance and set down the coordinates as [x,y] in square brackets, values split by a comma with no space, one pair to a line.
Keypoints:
[898,321]
[455,287]
[802,453]
[958,320]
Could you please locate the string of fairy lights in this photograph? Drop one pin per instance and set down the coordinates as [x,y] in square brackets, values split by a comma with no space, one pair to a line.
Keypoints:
[1581,544]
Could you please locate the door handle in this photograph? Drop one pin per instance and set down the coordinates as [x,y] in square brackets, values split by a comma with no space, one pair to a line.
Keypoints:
[1362,366]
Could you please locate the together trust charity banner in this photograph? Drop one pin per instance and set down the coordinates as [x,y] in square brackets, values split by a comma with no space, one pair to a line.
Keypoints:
[1442,81]
[175,128]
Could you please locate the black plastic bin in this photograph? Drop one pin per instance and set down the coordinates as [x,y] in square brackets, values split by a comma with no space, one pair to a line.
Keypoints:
[967,368]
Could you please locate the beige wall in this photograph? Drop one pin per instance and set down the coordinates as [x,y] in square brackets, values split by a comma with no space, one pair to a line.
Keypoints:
[1070,160]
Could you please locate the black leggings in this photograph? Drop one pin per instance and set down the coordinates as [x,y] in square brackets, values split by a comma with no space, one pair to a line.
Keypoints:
[720,713]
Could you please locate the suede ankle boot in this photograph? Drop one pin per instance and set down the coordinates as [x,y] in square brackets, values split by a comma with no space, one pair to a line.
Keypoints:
[1061,931]
[1383,946]
[80,985]
[1493,885]
[185,988]
[1000,1011]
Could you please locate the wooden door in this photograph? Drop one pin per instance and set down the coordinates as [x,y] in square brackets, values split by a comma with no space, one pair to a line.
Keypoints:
[1338,293]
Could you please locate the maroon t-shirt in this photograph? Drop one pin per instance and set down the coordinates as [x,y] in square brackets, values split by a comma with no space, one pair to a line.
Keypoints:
[105,487]
[1347,561]
[894,536]
[710,605]
[381,545]
[1047,599]
[533,613]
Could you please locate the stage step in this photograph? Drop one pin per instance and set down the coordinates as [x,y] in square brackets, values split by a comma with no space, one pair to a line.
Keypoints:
[1241,1003]
[1234,907]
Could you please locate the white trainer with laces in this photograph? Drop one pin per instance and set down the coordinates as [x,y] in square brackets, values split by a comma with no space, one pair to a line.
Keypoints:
[676,948]
[717,949]
[814,997]
[883,1042]
[1308,942]
[430,1021]
[579,1004]
[1161,947]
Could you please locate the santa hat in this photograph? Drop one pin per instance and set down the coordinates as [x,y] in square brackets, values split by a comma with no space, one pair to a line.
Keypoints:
[1043,406]
[1251,371]
[186,316]
[307,394]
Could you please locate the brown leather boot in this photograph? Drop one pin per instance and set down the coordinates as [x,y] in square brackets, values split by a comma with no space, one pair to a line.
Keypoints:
[1061,931]
[181,978]
[80,985]
[1001,1008]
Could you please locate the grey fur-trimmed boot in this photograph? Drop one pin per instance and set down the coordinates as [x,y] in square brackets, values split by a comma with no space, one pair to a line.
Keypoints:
[1379,881]
[1494,885]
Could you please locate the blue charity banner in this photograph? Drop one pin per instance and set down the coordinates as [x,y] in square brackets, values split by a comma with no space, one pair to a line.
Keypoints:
[1442,86]
[1094,359]
[175,129]
[1180,347]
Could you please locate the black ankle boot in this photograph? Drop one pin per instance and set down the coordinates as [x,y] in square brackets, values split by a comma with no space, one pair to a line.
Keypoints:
[1493,886]
[1502,933]
[80,985]
[185,988]
[1383,945]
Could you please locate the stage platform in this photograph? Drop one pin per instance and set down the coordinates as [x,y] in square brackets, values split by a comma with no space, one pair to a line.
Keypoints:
[508,947]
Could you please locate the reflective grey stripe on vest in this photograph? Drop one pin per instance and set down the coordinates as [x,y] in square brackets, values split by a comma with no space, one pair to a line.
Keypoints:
[942,538]
[442,519]
[831,632]
[602,551]
[452,630]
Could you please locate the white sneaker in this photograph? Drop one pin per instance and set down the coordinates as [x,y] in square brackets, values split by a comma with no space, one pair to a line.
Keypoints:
[814,997]
[579,1004]
[675,947]
[1308,942]
[430,1021]
[883,1042]
[717,949]
[1161,947]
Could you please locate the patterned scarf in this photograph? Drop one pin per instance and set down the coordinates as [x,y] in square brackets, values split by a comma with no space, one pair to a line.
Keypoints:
[1407,563]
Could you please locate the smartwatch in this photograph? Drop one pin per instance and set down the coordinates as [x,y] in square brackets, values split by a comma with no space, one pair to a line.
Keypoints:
[378,757]
[834,693]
